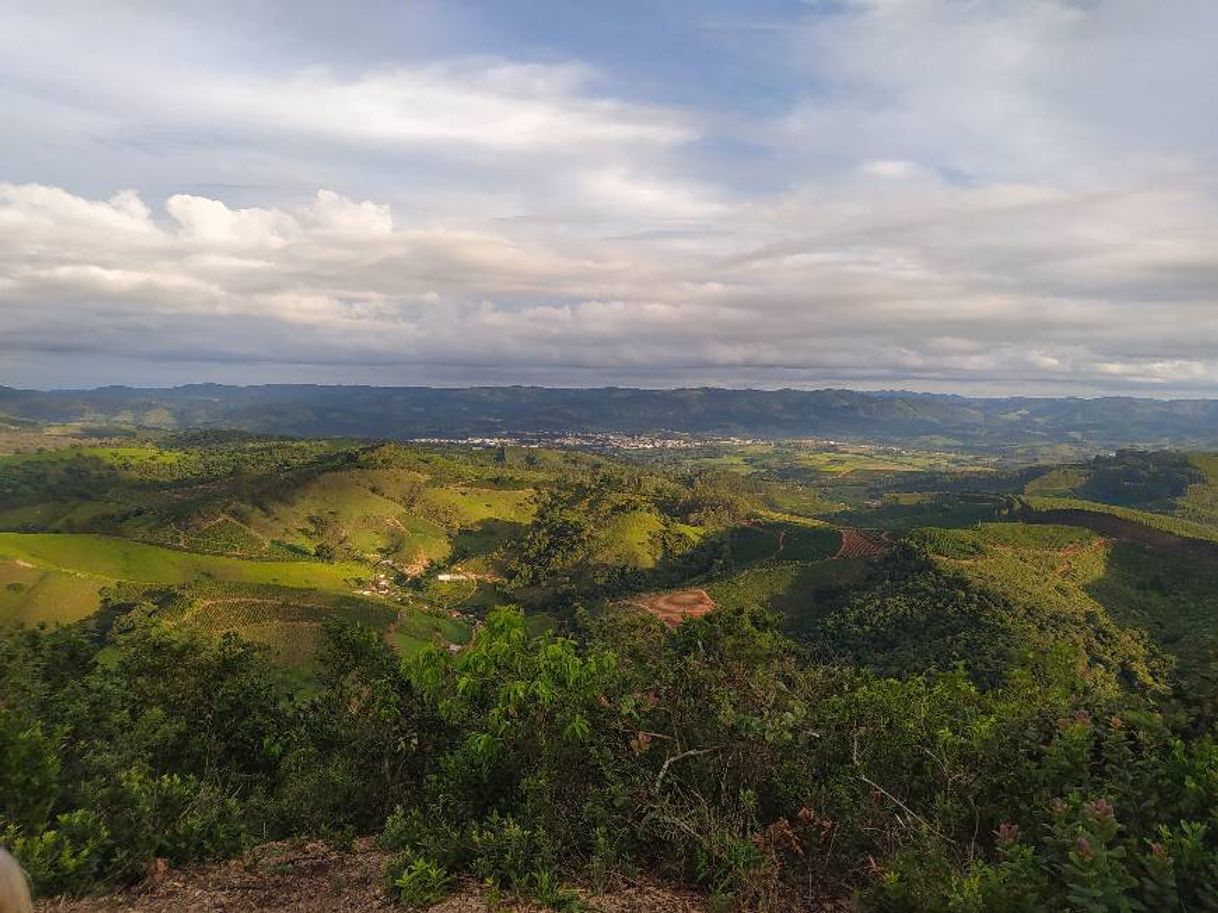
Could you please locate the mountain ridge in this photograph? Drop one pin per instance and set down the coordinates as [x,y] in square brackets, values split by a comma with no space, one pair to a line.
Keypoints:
[410,412]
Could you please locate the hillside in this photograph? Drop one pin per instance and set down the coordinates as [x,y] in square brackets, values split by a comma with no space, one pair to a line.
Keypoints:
[762,673]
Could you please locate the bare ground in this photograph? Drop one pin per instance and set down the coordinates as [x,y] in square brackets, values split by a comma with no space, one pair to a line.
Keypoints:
[673,608]
[314,878]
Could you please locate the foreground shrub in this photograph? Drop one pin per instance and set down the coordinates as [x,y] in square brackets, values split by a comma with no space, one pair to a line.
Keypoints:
[417,881]
[715,754]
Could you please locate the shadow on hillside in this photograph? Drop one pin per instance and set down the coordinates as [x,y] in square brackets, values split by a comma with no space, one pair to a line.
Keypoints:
[945,510]
[487,536]
[1170,595]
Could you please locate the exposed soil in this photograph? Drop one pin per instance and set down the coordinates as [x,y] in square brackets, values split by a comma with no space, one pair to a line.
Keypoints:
[279,877]
[673,608]
[863,543]
[313,878]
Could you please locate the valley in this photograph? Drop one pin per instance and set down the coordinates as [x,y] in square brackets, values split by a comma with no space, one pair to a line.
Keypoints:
[425,600]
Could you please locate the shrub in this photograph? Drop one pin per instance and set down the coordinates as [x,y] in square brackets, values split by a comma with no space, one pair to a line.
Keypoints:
[65,858]
[417,881]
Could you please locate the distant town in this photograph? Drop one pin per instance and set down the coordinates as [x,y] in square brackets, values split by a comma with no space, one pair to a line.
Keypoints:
[598,441]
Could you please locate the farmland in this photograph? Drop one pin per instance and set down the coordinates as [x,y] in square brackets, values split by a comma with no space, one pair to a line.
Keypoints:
[428,539]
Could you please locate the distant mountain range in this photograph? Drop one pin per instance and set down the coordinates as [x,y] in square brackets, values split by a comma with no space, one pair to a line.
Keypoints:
[410,412]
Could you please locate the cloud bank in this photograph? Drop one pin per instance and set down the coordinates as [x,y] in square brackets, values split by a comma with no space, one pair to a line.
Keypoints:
[973,196]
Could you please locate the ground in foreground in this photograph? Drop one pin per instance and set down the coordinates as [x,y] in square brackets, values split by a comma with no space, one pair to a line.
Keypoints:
[312,878]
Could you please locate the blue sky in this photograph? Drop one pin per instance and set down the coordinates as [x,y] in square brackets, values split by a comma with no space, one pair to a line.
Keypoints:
[982,196]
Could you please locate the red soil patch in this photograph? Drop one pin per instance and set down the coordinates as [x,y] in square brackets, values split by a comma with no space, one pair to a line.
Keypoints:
[863,543]
[673,608]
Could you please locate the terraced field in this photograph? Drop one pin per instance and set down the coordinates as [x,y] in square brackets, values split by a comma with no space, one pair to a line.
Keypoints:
[863,543]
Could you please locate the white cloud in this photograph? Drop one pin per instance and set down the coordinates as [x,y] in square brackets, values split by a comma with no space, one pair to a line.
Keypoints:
[941,194]
[994,285]
[498,105]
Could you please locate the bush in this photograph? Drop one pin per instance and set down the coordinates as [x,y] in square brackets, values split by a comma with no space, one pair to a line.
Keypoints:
[66,857]
[417,881]
[715,753]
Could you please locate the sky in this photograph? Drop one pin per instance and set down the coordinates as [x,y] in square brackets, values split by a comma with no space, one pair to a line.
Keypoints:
[973,196]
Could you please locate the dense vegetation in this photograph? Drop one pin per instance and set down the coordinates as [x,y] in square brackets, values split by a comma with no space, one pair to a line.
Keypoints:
[906,693]
[712,753]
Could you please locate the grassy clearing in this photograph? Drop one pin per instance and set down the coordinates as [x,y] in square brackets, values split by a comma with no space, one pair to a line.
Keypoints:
[470,506]
[334,509]
[56,515]
[416,629]
[1060,482]
[843,461]
[35,595]
[121,559]
[389,512]
[800,501]
[290,621]
[133,459]
[629,539]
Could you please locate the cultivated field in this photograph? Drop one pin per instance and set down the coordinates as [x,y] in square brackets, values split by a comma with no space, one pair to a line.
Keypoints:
[863,543]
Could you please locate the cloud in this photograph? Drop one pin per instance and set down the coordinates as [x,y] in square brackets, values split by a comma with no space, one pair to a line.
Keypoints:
[937,194]
[497,105]
[1046,90]
[986,283]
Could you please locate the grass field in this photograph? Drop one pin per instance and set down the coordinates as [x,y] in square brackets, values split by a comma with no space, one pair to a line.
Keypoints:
[629,539]
[415,630]
[35,595]
[120,559]
[473,505]
[1060,482]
